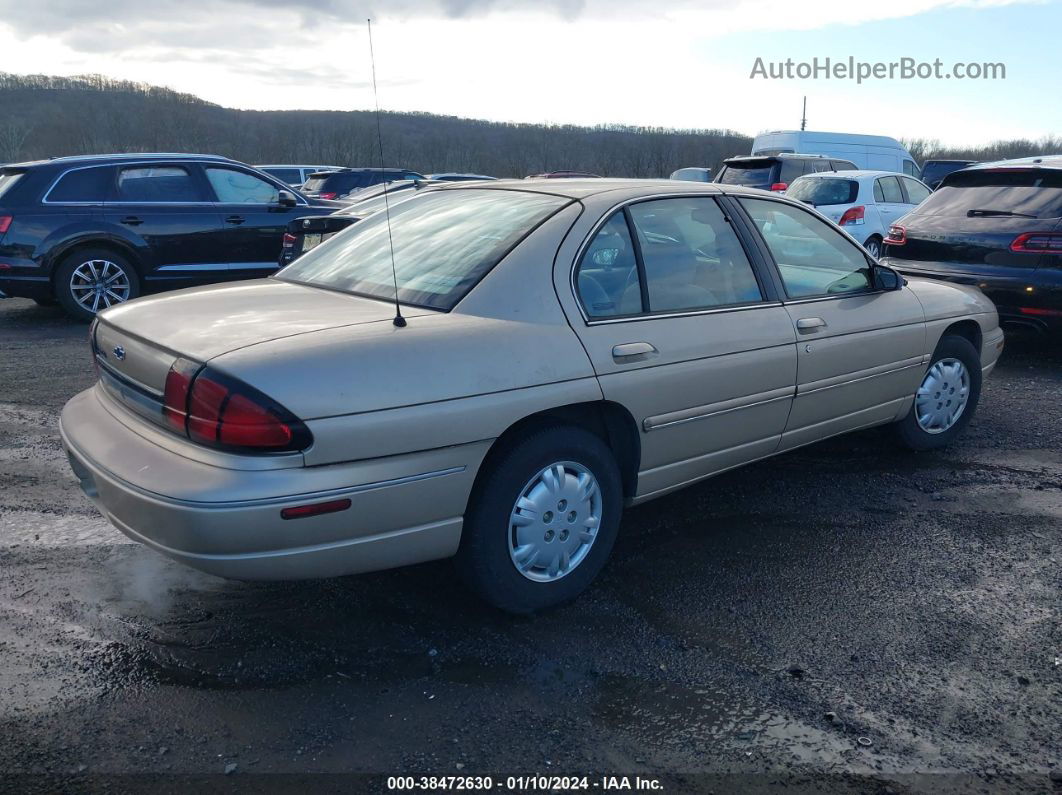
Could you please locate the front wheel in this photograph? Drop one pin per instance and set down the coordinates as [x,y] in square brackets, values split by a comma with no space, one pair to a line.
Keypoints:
[90,280]
[947,397]
[542,521]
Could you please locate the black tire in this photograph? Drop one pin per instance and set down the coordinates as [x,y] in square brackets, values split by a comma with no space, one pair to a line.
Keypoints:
[64,273]
[910,433]
[873,241]
[44,301]
[483,559]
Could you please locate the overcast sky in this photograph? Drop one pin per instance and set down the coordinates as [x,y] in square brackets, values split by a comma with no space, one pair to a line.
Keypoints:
[673,63]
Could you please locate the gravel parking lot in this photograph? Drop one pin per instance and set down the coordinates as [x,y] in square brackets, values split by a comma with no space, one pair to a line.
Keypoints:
[836,619]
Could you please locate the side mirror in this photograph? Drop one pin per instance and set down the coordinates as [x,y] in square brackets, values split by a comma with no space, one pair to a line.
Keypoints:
[285,198]
[885,278]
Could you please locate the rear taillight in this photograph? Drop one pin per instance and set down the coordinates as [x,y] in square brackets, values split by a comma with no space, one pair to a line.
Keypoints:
[216,410]
[1038,243]
[5,223]
[853,215]
[779,187]
[328,195]
[289,240]
[897,235]
[175,395]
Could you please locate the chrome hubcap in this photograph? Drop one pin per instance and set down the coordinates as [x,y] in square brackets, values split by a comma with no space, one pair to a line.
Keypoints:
[98,284]
[943,395]
[555,521]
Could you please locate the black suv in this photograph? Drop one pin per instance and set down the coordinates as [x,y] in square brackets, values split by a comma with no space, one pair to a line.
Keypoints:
[95,231]
[997,226]
[776,172]
[934,171]
[342,182]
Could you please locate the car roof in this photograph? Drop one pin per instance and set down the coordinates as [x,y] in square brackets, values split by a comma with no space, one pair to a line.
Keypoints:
[585,188]
[120,158]
[1037,161]
[860,173]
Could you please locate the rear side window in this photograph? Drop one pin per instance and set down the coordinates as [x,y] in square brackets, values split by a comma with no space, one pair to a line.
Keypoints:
[1032,192]
[157,184]
[844,165]
[8,180]
[909,168]
[607,279]
[791,169]
[887,189]
[83,185]
[824,190]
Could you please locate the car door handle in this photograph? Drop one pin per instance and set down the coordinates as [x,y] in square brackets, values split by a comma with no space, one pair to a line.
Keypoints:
[132,220]
[633,352]
[235,219]
[811,323]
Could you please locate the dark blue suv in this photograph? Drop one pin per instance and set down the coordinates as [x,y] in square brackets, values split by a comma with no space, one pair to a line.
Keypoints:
[94,231]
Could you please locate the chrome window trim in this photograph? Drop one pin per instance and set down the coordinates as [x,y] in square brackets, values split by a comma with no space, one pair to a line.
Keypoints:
[698,194]
[200,160]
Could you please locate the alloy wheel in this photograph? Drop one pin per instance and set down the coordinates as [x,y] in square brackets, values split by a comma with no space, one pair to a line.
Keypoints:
[98,284]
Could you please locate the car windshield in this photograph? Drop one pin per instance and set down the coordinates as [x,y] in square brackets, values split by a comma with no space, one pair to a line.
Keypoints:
[824,190]
[444,243]
[1036,193]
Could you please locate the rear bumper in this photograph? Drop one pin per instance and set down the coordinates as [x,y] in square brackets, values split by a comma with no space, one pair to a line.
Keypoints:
[404,509]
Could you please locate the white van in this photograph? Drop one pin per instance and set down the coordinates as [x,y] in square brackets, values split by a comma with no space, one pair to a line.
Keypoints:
[872,152]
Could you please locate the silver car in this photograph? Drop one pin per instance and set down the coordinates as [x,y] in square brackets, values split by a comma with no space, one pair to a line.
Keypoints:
[563,349]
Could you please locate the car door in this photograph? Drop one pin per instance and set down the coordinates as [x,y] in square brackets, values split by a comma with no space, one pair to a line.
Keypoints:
[888,195]
[164,210]
[860,350]
[683,330]
[254,220]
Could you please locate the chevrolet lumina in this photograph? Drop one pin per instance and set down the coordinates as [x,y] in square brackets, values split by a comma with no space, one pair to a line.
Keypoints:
[567,348]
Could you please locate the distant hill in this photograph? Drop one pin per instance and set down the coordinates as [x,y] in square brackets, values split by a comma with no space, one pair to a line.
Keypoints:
[52,116]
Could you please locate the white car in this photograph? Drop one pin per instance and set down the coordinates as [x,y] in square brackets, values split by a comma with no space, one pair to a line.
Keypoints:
[863,203]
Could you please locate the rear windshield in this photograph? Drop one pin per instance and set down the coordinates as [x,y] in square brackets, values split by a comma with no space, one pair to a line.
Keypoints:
[314,184]
[824,190]
[444,243]
[8,180]
[1033,192]
[753,173]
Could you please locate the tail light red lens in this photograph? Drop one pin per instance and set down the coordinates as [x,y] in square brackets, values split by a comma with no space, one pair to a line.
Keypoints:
[897,235]
[779,187]
[289,240]
[853,215]
[5,223]
[1038,243]
[175,395]
[219,411]
[327,195]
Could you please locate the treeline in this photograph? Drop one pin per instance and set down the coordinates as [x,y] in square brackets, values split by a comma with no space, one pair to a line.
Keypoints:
[43,116]
[932,149]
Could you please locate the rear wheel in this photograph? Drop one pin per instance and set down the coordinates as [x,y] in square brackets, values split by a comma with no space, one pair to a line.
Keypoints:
[90,280]
[542,521]
[947,397]
[873,246]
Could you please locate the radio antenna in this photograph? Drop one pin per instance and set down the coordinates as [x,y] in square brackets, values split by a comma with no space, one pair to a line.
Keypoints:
[399,320]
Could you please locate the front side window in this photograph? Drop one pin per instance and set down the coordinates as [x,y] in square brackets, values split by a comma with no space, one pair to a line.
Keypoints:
[157,185]
[916,191]
[444,242]
[83,185]
[239,187]
[813,258]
